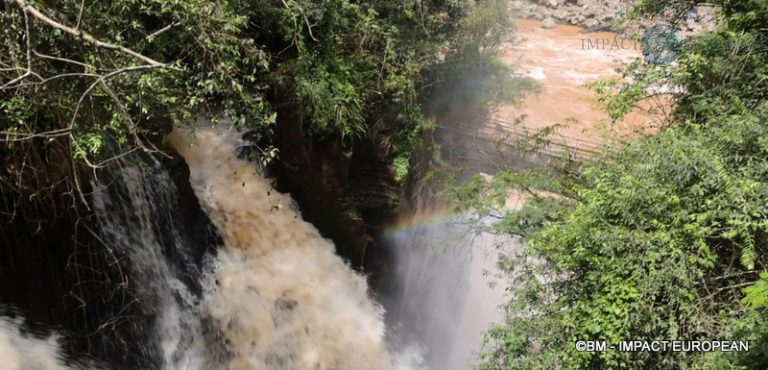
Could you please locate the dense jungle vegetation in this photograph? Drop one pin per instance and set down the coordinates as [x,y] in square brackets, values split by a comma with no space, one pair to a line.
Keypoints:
[84,82]
[665,239]
[85,85]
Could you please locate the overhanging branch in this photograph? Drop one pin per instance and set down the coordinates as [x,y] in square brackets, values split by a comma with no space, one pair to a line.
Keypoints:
[29,9]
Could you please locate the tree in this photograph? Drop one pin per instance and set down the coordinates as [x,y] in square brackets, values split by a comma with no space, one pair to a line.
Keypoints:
[662,239]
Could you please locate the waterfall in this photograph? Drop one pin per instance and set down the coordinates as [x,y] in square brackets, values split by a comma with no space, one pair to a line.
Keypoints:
[280,295]
[445,289]
[19,351]
[137,214]
[275,296]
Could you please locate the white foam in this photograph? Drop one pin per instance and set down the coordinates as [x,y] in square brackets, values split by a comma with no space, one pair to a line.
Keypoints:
[281,296]
[537,74]
[20,352]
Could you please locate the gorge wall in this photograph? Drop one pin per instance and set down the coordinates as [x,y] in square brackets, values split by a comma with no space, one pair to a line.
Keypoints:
[610,15]
[348,191]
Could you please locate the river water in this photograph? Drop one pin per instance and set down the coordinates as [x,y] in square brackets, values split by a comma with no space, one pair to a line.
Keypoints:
[560,60]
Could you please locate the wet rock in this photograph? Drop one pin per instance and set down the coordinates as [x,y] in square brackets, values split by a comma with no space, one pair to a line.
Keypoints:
[537,12]
[560,14]
[606,17]
[598,13]
[590,11]
[347,192]
[590,23]
[549,23]
[576,19]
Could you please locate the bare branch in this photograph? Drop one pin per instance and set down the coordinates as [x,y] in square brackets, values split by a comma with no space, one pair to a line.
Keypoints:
[29,55]
[66,60]
[306,21]
[309,27]
[56,77]
[75,176]
[116,157]
[166,28]
[21,136]
[80,15]
[84,35]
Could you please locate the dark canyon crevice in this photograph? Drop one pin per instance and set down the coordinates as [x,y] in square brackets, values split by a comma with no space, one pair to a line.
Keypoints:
[348,191]
[59,273]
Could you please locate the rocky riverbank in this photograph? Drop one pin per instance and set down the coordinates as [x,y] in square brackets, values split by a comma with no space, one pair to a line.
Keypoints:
[612,15]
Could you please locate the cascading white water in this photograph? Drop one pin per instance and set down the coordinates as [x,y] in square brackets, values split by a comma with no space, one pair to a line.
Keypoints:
[19,351]
[135,209]
[275,296]
[446,288]
[137,215]
[282,298]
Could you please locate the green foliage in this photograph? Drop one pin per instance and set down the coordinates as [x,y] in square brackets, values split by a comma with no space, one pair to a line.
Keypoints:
[344,65]
[401,164]
[662,239]
[68,105]
[650,250]
[84,84]
[756,295]
[332,103]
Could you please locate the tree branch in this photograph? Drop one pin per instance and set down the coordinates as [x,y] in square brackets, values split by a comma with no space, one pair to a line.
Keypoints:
[80,15]
[306,20]
[29,56]
[104,78]
[21,136]
[60,59]
[28,9]
[151,36]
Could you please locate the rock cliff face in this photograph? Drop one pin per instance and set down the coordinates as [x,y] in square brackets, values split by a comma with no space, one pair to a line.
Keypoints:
[347,191]
[58,272]
[612,14]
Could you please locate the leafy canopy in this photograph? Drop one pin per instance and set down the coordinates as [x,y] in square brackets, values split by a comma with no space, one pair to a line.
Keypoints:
[666,238]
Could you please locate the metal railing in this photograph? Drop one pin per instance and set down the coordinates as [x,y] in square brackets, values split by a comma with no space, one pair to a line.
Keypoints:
[515,136]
